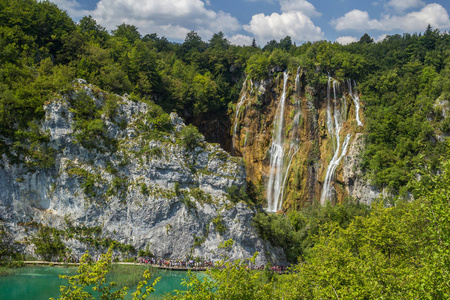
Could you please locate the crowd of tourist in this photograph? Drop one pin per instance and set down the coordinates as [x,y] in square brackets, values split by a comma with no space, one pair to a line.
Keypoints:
[181,264]
[193,264]
[167,263]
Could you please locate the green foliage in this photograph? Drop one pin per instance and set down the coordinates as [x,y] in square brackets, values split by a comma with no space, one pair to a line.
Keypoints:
[33,145]
[7,248]
[236,194]
[395,252]
[119,187]
[295,232]
[190,137]
[200,196]
[145,253]
[233,280]
[92,276]
[219,226]
[48,243]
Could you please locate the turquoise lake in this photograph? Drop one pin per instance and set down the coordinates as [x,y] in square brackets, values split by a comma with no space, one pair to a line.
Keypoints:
[42,282]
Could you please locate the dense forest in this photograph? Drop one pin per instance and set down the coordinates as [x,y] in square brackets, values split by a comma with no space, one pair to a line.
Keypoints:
[392,250]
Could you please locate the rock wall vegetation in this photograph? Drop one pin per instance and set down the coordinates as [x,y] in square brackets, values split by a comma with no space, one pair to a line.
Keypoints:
[125,171]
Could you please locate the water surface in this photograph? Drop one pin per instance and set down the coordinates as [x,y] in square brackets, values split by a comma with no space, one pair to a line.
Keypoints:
[42,282]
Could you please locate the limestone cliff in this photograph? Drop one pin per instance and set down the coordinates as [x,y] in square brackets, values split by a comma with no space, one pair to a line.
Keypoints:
[307,148]
[127,176]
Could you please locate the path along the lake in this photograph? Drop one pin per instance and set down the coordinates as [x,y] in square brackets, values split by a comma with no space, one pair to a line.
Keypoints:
[38,262]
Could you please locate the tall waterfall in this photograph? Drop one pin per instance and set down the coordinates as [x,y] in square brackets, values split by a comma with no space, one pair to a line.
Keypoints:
[355,98]
[236,117]
[329,118]
[277,155]
[338,155]
[294,145]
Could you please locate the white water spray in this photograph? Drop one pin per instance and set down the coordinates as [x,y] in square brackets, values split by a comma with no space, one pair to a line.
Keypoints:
[338,155]
[329,118]
[236,117]
[277,154]
[355,98]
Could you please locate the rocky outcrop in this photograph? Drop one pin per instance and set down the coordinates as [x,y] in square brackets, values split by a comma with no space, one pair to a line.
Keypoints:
[358,187]
[137,181]
[315,115]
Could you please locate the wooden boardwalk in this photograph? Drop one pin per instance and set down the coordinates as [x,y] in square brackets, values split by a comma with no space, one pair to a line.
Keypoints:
[195,269]
[38,262]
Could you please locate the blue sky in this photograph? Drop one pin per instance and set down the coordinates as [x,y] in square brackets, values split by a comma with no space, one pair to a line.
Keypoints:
[343,21]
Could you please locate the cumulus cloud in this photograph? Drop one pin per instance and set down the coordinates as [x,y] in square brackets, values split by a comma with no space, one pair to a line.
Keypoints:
[345,40]
[402,5]
[380,38]
[433,14]
[170,18]
[299,5]
[241,40]
[275,27]
[72,7]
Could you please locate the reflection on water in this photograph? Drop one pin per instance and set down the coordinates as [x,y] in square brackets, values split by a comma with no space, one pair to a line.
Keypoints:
[42,282]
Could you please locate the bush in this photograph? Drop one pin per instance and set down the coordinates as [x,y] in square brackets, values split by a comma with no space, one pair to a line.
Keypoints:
[48,243]
[190,137]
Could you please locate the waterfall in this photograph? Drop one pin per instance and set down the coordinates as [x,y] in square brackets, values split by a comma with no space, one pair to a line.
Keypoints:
[334,163]
[236,117]
[355,98]
[329,118]
[336,159]
[297,80]
[287,173]
[277,154]
[295,138]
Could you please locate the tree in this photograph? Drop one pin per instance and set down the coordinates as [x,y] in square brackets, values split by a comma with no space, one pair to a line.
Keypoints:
[286,43]
[232,281]
[89,27]
[192,45]
[128,32]
[190,137]
[93,276]
[219,41]
[366,39]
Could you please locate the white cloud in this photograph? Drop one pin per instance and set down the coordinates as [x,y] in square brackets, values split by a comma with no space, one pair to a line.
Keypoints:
[275,27]
[241,40]
[72,7]
[402,5]
[345,40]
[299,5]
[433,14]
[380,38]
[169,18]
[355,19]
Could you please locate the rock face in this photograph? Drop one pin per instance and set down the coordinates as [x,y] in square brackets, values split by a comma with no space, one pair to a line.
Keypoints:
[355,183]
[137,182]
[322,138]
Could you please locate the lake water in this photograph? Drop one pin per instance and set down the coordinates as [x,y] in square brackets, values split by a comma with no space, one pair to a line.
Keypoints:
[42,282]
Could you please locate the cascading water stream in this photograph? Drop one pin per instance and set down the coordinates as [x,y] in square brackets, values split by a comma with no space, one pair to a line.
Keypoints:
[355,98]
[336,159]
[277,154]
[334,163]
[297,80]
[236,117]
[295,139]
[329,118]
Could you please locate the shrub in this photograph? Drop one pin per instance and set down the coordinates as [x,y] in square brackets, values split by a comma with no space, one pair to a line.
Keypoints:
[190,137]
